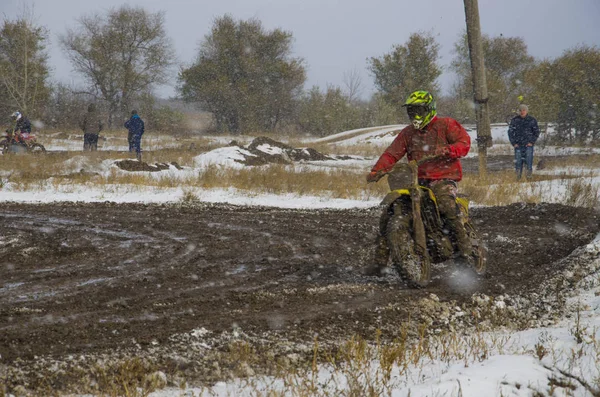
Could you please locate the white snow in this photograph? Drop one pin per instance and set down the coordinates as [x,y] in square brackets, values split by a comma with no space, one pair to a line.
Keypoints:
[229,156]
[148,194]
[266,148]
[367,131]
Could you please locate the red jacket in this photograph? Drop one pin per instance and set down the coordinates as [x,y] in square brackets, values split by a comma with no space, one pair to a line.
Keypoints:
[441,132]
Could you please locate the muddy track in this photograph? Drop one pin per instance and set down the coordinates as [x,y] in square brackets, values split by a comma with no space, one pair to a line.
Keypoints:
[82,278]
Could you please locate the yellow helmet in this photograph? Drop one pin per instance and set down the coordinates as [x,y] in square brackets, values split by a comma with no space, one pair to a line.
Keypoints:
[420,107]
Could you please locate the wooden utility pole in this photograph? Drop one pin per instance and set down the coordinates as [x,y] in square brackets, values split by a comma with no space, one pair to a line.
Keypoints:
[480,93]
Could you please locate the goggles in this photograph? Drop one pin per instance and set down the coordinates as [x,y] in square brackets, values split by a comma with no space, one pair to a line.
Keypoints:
[416,111]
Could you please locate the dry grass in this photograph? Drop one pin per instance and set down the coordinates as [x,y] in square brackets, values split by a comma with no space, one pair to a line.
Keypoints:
[362,368]
[502,188]
[582,193]
[575,160]
[356,367]
[28,172]
[279,179]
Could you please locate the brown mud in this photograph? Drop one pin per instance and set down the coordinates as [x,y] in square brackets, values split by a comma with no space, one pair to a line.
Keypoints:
[78,279]
[134,165]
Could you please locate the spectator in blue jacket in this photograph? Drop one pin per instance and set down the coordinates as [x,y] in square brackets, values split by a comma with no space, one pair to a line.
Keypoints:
[522,133]
[135,125]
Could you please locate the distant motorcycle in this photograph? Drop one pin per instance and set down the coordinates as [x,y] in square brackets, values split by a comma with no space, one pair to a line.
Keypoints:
[18,142]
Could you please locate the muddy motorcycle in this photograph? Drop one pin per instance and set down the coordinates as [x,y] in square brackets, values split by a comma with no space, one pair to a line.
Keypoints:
[14,142]
[425,241]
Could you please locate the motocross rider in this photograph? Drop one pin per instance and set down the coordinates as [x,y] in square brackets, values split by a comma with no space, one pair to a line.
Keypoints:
[22,125]
[429,135]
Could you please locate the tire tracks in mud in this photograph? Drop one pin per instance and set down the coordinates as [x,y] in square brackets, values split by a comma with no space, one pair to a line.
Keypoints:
[87,278]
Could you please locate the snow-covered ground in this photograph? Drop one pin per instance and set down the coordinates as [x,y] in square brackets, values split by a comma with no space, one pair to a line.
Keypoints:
[223,158]
[513,370]
[231,157]
[136,194]
[558,360]
[381,137]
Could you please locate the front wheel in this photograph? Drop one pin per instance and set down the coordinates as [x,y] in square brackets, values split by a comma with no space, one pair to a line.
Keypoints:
[412,267]
[480,256]
[37,148]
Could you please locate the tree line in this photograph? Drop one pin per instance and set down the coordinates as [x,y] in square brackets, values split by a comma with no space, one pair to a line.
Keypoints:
[250,81]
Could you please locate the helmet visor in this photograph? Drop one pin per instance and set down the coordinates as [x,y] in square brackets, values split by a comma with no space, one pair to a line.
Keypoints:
[417,111]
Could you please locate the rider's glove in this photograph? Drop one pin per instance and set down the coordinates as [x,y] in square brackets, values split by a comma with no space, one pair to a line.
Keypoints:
[442,151]
[373,176]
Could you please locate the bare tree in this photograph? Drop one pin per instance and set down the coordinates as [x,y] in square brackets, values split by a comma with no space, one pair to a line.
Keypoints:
[23,64]
[121,54]
[353,84]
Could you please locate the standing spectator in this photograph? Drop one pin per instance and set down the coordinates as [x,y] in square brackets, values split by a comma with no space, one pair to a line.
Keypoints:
[522,133]
[135,125]
[91,125]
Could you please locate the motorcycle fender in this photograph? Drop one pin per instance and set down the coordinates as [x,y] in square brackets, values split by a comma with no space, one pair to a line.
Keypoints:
[396,194]
[393,196]
[463,204]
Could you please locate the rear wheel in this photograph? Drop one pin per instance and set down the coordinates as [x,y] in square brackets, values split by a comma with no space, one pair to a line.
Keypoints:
[412,267]
[37,148]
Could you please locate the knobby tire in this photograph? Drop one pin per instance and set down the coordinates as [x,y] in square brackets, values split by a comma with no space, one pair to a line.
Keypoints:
[413,268]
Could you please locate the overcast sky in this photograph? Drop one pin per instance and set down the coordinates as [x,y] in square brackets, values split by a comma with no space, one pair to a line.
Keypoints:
[335,36]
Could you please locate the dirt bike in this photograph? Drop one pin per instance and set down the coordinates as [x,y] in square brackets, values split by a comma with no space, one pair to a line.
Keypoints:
[414,249]
[15,142]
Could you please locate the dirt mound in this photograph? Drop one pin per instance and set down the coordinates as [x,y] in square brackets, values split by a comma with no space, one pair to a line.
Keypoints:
[265,150]
[134,165]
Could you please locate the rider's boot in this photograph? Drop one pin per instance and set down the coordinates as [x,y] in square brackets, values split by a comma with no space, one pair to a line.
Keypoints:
[382,254]
[445,193]
[463,242]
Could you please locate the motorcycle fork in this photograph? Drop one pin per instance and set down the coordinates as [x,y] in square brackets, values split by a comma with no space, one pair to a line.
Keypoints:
[418,225]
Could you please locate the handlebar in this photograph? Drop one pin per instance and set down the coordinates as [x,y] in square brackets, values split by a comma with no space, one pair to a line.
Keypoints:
[423,160]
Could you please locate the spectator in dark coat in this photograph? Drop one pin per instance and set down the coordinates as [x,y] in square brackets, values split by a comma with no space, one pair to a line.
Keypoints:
[523,132]
[91,125]
[135,125]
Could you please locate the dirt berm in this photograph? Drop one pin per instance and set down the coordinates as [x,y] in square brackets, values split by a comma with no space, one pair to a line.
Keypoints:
[175,284]
[264,150]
